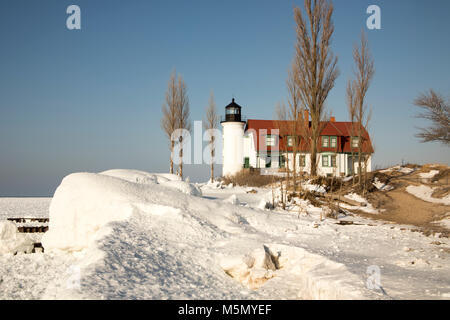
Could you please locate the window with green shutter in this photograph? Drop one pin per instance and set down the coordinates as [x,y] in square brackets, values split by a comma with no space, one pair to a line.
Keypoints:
[325,141]
[324,161]
[333,161]
[333,142]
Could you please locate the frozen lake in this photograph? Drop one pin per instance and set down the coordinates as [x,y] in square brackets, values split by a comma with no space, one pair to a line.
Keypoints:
[24,207]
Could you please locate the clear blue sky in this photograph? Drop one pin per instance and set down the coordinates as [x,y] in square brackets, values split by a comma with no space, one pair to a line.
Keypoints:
[90,100]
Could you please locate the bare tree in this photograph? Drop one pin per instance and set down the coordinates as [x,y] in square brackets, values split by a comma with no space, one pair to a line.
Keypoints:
[281,116]
[436,110]
[365,70]
[169,111]
[182,116]
[351,107]
[293,113]
[316,65]
[212,118]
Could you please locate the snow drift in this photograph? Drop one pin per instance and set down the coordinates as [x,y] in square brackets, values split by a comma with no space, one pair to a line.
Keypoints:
[166,179]
[11,241]
[138,235]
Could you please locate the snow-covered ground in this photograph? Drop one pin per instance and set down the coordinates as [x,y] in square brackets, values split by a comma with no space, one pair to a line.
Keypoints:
[126,234]
[425,193]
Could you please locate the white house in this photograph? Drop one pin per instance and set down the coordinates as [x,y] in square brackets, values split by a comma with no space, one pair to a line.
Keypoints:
[270,145]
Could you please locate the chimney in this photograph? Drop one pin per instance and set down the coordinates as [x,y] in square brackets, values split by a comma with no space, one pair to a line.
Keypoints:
[306,116]
[332,119]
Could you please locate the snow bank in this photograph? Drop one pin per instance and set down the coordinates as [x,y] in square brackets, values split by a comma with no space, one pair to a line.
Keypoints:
[381,186]
[429,175]
[141,176]
[233,199]
[280,267]
[365,205]
[425,193]
[11,241]
[183,186]
[85,202]
[401,169]
[166,179]
[356,197]
[313,187]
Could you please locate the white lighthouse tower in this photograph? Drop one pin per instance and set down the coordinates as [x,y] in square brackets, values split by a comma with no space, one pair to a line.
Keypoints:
[233,140]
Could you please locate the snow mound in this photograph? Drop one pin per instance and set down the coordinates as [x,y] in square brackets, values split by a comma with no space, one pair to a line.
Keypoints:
[428,175]
[278,267]
[11,241]
[252,270]
[213,184]
[169,180]
[233,199]
[183,186]
[381,186]
[425,193]
[404,170]
[314,187]
[141,176]
[356,197]
[83,204]
[86,202]
[365,205]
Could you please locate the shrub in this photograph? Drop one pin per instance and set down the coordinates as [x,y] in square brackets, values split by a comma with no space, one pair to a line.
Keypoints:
[250,178]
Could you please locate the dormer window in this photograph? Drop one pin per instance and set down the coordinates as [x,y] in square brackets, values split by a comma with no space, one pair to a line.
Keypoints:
[355,142]
[325,141]
[290,141]
[333,142]
[271,140]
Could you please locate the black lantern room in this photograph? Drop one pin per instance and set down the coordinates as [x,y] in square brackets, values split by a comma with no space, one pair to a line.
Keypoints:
[233,112]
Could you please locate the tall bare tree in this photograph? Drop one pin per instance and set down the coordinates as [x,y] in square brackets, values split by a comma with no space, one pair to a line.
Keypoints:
[364,72]
[211,123]
[183,118]
[281,117]
[436,110]
[351,107]
[292,114]
[315,63]
[169,111]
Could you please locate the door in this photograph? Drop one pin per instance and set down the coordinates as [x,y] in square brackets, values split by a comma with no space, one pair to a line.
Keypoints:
[246,162]
[349,165]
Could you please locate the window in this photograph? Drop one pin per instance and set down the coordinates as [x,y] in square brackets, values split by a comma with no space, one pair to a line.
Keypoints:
[282,161]
[333,142]
[302,161]
[355,142]
[271,140]
[268,162]
[232,111]
[290,141]
[324,161]
[333,161]
[325,141]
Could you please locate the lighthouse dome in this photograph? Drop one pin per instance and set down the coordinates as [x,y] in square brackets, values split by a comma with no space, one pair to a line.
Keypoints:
[233,112]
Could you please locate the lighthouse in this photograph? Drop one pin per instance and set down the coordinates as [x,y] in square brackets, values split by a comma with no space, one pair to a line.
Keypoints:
[233,139]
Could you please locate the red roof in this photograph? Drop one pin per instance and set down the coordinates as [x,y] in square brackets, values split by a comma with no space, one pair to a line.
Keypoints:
[342,130]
